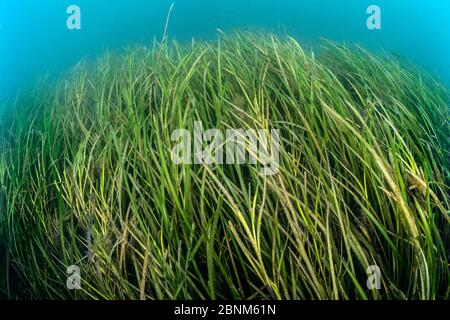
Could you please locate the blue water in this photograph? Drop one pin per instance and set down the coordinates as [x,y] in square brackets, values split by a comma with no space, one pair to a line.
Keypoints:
[34,39]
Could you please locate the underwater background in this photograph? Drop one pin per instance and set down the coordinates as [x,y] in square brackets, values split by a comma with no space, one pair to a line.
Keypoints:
[34,38]
[258,162]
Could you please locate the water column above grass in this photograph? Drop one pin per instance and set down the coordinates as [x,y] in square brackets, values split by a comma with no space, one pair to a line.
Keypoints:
[34,40]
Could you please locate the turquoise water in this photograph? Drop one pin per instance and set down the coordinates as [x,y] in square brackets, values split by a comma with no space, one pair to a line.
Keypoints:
[34,38]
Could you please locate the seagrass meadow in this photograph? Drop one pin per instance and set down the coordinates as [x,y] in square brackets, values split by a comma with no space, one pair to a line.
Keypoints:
[87,177]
